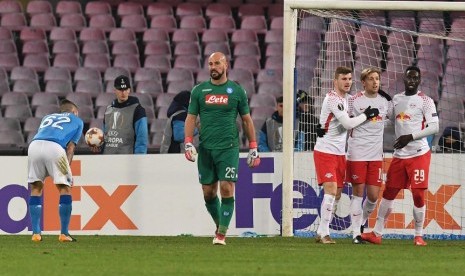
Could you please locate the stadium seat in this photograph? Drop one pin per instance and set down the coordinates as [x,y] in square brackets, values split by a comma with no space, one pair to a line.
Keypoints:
[92,87]
[164,99]
[188,9]
[57,73]
[164,22]
[225,23]
[185,35]
[246,49]
[145,99]
[43,99]
[177,86]
[155,48]
[193,22]
[255,23]
[62,33]
[276,49]
[250,9]
[150,113]
[86,113]
[23,73]
[35,47]
[74,21]
[162,63]
[10,137]
[81,99]
[13,21]
[99,62]
[144,74]
[10,7]
[97,7]
[125,48]
[28,86]
[38,6]
[134,22]
[70,61]
[121,34]
[129,8]
[247,62]
[162,112]
[274,36]
[202,75]
[14,98]
[5,34]
[31,125]
[95,47]
[65,47]
[241,75]
[83,73]
[104,100]
[8,61]
[96,122]
[29,33]
[44,21]
[101,109]
[38,62]
[8,47]
[275,11]
[218,9]
[239,36]
[149,87]
[270,88]
[159,8]
[214,35]
[112,73]
[158,125]
[105,22]
[68,7]
[157,35]
[188,62]
[270,75]
[213,47]
[20,112]
[131,62]
[59,87]
[179,74]
[187,49]
[91,34]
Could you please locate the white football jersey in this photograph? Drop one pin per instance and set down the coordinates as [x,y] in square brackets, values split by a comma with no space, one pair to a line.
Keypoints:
[412,114]
[334,141]
[365,141]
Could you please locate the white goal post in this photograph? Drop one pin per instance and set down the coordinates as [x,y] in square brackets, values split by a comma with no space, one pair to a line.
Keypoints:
[291,26]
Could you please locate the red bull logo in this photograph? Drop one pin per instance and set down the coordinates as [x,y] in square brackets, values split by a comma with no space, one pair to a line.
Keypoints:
[403,117]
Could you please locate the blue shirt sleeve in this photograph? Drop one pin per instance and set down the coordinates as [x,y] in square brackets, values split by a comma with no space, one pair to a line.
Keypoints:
[263,143]
[142,136]
[178,131]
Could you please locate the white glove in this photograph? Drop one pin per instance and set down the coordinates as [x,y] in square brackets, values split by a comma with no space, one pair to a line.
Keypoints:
[189,151]
[253,159]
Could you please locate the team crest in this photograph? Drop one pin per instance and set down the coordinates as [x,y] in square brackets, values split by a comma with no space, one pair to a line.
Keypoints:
[229,90]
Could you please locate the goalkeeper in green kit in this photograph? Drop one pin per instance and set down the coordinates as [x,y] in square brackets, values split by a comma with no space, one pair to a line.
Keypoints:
[217,102]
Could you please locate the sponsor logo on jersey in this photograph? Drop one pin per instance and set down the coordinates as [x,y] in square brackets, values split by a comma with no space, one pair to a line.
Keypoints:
[229,90]
[403,117]
[340,107]
[217,99]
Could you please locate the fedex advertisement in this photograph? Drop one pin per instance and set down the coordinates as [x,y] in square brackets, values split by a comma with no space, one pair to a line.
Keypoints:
[160,195]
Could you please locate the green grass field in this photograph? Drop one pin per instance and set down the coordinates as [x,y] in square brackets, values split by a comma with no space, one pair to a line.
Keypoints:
[128,255]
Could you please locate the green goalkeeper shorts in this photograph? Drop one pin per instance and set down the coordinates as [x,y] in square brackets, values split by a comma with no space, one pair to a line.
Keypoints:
[218,164]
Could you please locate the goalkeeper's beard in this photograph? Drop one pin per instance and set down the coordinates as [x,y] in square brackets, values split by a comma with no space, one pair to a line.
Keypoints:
[216,75]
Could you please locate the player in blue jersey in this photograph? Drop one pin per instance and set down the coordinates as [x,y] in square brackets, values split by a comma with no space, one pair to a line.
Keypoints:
[50,154]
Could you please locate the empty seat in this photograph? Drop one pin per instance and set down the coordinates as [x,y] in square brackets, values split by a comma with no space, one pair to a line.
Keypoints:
[20,112]
[23,73]
[145,100]
[31,125]
[150,87]
[104,100]
[134,22]
[99,62]
[7,47]
[125,48]
[158,125]
[83,73]
[95,47]
[158,48]
[270,88]
[57,73]
[274,62]
[218,9]
[246,49]
[270,75]
[249,36]
[28,86]
[241,75]
[16,98]
[13,138]
[90,87]
[274,36]
[97,7]
[96,122]
[157,35]
[61,33]
[45,21]
[121,34]
[188,9]
[276,49]
[255,23]
[185,35]
[188,62]
[112,73]
[81,99]
[247,62]
[74,21]
[10,7]
[105,22]
[187,48]
[68,61]
[13,21]
[164,99]
[214,35]
[178,86]
[59,87]
[162,63]
[86,113]
[164,22]
[65,47]
[213,47]
[251,9]
[5,34]
[128,8]
[44,99]
[38,62]
[225,23]
[179,74]
[143,74]
[193,22]
[91,34]
[158,8]
[131,62]
[202,75]
[276,11]
[38,6]
[35,47]
[68,7]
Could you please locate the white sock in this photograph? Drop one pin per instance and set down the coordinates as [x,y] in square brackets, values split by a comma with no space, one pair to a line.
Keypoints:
[385,208]
[326,215]
[336,202]
[368,208]
[419,216]
[356,214]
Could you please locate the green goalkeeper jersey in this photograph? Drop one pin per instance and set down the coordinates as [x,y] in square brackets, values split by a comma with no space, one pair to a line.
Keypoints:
[218,106]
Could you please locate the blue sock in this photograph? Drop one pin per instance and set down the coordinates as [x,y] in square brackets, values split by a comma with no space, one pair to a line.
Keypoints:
[65,208]
[35,211]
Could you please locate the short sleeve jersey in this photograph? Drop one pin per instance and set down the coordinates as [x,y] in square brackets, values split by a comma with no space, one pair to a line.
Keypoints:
[218,107]
[60,128]
[412,114]
[365,141]
[334,141]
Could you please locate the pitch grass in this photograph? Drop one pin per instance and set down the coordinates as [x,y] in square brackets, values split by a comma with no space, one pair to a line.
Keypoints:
[129,255]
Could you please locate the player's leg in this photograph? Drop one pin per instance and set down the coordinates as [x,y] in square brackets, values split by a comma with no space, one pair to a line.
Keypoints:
[356,174]
[65,208]
[373,187]
[209,181]
[36,173]
[419,174]
[227,165]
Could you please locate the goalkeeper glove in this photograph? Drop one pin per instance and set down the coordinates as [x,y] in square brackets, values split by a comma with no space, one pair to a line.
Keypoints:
[253,160]
[301,95]
[189,149]
[371,112]
[320,131]
[384,95]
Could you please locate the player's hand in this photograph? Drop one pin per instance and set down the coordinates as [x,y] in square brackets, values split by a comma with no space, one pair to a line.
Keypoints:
[384,95]
[402,141]
[189,149]
[253,159]
[320,131]
[371,112]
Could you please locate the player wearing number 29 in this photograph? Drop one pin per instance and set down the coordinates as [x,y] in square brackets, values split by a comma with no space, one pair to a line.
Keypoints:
[218,102]
[365,149]
[330,149]
[50,154]
[415,118]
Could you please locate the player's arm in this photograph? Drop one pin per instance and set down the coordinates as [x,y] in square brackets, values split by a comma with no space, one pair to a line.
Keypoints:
[70,151]
[349,123]
[253,159]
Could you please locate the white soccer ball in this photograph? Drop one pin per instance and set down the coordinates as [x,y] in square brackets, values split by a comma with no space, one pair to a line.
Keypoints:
[94,137]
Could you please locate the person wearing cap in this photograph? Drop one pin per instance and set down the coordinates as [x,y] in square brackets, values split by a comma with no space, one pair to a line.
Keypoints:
[125,122]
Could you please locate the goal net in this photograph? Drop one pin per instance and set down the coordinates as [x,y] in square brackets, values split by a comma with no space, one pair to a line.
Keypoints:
[323,35]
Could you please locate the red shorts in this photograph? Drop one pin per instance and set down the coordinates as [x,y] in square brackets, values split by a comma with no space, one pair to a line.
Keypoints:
[329,168]
[364,172]
[412,172]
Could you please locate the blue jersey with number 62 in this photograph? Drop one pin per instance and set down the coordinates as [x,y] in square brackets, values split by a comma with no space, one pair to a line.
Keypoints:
[60,128]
